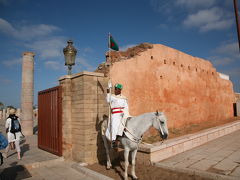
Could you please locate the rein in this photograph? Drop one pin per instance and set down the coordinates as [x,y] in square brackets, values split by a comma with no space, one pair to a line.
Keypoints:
[133,138]
[160,127]
[130,135]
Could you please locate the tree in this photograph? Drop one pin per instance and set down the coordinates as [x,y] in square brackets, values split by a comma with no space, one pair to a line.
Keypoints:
[11,107]
[1,106]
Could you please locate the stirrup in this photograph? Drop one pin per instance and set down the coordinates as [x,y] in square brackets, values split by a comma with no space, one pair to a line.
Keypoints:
[114,144]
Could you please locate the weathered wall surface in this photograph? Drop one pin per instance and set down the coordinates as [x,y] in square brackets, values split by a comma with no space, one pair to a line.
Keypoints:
[188,89]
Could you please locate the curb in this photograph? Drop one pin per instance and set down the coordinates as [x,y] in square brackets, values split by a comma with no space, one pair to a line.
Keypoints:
[91,173]
[195,172]
[43,163]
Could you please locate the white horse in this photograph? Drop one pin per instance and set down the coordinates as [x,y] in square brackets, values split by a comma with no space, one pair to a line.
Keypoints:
[134,130]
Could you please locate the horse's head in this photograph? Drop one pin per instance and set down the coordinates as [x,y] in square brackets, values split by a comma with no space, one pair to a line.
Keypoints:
[160,123]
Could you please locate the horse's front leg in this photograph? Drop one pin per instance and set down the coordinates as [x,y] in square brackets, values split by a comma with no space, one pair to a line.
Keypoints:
[109,164]
[134,153]
[126,154]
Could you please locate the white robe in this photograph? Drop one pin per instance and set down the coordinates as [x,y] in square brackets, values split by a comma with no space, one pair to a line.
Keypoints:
[117,123]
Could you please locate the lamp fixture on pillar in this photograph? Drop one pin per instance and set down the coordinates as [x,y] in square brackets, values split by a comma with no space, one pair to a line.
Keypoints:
[70,55]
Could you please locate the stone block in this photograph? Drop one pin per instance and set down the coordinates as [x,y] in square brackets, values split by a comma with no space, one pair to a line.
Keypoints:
[90,97]
[211,136]
[185,163]
[160,155]
[178,148]
[226,165]
[236,172]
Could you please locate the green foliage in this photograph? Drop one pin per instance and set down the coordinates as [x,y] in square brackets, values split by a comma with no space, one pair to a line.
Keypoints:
[1,106]
[11,107]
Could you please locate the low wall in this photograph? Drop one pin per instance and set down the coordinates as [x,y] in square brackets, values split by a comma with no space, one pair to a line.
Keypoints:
[149,153]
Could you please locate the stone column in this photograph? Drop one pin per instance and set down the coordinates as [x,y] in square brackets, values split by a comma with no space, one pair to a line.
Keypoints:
[18,112]
[66,84]
[27,93]
[7,112]
[4,114]
[1,115]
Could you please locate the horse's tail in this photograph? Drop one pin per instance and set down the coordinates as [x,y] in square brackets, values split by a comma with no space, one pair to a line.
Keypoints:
[104,127]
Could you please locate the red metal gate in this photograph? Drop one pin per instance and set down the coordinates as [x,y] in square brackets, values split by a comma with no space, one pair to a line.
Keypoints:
[50,120]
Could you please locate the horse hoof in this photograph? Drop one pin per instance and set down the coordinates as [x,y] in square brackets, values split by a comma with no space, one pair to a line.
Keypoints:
[108,167]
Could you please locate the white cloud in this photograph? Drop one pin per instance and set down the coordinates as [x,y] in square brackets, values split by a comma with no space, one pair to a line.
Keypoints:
[162,6]
[209,19]
[195,3]
[124,48]
[82,63]
[26,32]
[55,65]
[12,62]
[4,80]
[230,49]
[221,61]
[218,25]
[234,72]
[88,50]
[163,26]
[48,48]
[225,54]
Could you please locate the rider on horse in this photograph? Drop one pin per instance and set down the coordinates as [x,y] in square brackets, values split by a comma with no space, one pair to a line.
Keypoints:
[119,113]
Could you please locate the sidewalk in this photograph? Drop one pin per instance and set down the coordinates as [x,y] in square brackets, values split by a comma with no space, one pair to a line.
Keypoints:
[218,159]
[37,164]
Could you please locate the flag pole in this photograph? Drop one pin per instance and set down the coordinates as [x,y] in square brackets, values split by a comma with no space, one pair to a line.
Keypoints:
[110,89]
[109,49]
[237,21]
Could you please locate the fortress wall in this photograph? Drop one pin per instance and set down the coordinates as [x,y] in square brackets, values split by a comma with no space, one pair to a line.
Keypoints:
[188,89]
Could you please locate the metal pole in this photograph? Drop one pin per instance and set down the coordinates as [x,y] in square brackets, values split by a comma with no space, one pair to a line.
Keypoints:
[110,105]
[69,69]
[237,21]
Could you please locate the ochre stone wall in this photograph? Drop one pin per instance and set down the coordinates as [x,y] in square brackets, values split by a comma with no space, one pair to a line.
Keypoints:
[83,107]
[188,89]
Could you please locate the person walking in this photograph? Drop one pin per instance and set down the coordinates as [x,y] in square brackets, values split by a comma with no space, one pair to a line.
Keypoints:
[3,145]
[13,129]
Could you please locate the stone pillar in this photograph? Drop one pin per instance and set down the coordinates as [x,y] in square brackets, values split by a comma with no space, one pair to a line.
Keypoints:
[4,114]
[83,106]
[7,112]
[1,115]
[27,93]
[18,112]
[66,84]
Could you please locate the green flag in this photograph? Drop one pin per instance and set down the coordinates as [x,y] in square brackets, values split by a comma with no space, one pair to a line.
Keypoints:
[112,44]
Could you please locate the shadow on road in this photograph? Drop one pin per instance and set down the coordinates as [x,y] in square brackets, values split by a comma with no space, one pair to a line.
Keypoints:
[15,173]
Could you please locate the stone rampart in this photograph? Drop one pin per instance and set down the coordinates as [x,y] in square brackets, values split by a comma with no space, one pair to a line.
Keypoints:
[188,89]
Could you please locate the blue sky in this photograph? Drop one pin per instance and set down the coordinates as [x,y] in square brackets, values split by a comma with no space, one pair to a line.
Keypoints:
[202,28]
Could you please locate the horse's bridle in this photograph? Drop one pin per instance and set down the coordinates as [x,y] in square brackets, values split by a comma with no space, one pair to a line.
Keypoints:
[160,127]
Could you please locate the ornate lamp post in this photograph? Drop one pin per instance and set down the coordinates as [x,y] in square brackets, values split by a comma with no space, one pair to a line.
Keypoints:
[70,55]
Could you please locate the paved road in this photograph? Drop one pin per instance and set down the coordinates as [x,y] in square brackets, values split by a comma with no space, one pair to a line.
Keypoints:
[218,157]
